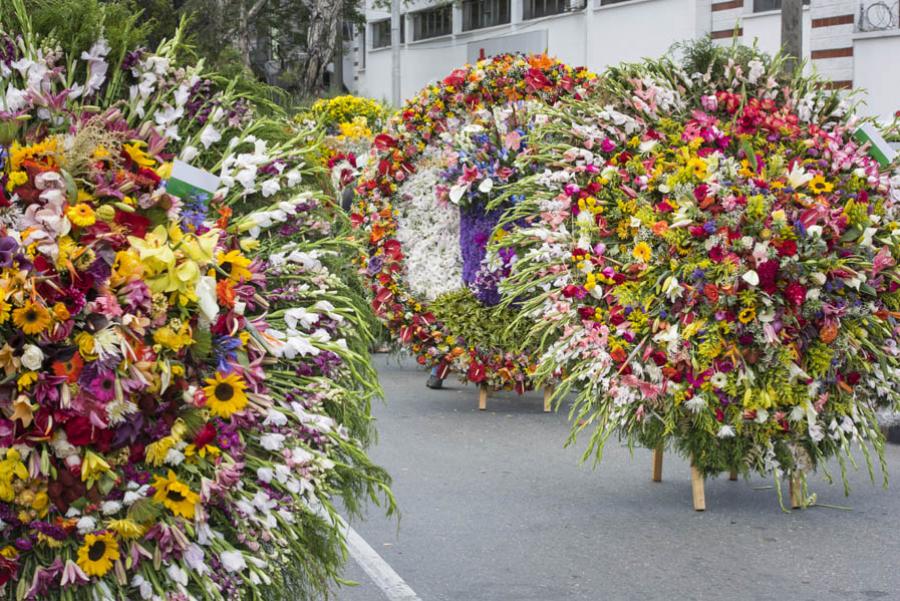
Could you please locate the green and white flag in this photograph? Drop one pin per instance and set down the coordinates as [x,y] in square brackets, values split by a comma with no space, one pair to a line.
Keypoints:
[879,149]
[187,181]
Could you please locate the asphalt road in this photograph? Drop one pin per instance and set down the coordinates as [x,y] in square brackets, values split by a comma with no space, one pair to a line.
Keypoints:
[494,508]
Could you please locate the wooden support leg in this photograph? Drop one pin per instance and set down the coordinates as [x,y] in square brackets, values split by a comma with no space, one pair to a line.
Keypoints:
[697,489]
[657,464]
[548,393]
[483,394]
[796,491]
[733,475]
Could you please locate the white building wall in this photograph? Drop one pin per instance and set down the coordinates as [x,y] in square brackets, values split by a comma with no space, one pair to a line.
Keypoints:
[629,31]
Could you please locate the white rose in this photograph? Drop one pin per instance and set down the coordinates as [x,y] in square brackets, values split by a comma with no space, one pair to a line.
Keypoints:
[32,357]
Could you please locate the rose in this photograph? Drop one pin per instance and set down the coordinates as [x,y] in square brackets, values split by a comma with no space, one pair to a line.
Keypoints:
[32,357]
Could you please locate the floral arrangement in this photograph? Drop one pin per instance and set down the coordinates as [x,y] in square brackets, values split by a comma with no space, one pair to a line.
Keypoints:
[430,199]
[184,388]
[348,121]
[715,266]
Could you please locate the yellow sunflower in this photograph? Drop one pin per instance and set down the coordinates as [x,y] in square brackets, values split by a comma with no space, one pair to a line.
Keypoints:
[225,394]
[235,265]
[747,315]
[32,318]
[818,185]
[81,215]
[175,495]
[97,554]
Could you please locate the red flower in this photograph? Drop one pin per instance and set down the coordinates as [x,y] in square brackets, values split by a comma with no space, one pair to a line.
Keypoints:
[383,142]
[768,274]
[716,254]
[536,80]
[137,225]
[786,248]
[9,568]
[795,294]
[79,431]
[477,372]
[206,435]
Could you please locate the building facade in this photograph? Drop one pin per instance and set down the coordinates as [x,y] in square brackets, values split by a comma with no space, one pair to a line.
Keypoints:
[853,43]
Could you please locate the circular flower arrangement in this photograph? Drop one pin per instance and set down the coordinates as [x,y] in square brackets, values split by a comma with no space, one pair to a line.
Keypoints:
[723,258]
[174,374]
[430,200]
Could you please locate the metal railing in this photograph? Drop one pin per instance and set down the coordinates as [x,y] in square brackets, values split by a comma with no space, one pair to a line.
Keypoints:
[878,15]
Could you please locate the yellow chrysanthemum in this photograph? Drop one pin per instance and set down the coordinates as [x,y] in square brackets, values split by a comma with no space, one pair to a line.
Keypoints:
[98,553]
[32,318]
[225,394]
[175,495]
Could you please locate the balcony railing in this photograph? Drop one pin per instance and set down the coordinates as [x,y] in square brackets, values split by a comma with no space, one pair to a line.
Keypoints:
[878,15]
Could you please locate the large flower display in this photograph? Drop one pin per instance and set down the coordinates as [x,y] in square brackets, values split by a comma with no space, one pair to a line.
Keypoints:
[431,198]
[184,391]
[716,265]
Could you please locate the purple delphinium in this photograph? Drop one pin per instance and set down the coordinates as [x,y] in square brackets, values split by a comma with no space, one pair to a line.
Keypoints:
[475,228]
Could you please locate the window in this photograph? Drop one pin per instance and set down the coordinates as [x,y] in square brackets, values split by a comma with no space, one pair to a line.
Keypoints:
[761,6]
[535,9]
[381,32]
[484,13]
[433,22]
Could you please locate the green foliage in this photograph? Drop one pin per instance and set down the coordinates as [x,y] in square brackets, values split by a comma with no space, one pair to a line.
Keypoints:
[478,325]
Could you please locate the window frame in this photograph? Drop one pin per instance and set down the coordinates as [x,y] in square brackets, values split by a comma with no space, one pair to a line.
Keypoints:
[474,22]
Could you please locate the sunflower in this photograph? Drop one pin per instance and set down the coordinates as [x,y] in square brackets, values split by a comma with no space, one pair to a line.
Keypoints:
[818,185]
[97,554]
[32,318]
[81,215]
[747,315]
[235,265]
[225,395]
[175,495]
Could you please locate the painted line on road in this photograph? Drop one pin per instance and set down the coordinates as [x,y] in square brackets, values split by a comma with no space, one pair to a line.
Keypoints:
[381,573]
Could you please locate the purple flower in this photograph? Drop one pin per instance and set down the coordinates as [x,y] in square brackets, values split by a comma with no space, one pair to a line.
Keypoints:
[475,229]
[8,246]
[103,386]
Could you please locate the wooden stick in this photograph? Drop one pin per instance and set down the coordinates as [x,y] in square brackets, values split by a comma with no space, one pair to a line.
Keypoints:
[733,475]
[697,489]
[657,464]
[483,394]
[796,492]
[548,393]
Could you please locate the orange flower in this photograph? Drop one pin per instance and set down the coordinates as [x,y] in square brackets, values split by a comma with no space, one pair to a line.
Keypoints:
[660,227]
[71,369]
[540,61]
[377,233]
[225,293]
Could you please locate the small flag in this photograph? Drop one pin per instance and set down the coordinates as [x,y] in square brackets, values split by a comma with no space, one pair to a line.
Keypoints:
[879,149]
[187,181]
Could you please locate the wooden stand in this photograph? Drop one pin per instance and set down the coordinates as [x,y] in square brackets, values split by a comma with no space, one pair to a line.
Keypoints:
[484,393]
[698,482]
[796,485]
[657,464]
[697,489]
[548,394]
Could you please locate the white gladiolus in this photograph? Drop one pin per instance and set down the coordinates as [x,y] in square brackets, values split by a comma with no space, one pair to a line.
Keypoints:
[233,561]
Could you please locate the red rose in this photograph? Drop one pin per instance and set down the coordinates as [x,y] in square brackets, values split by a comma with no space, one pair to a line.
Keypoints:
[586,312]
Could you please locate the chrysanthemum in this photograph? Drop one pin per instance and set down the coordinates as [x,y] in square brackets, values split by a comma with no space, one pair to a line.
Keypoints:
[642,252]
[225,394]
[32,318]
[175,495]
[97,554]
[126,528]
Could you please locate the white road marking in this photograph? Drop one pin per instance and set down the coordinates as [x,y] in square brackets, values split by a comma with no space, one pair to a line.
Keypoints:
[382,574]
